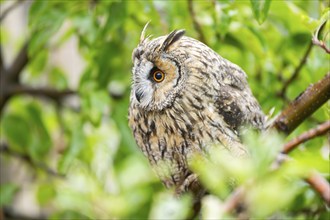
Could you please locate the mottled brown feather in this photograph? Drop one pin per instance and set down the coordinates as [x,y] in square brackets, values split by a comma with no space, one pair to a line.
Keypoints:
[203,100]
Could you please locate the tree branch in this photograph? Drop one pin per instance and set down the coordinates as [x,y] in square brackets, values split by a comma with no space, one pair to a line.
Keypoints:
[296,71]
[11,75]
[4,148]
[315,180]
[2,64]
[283,124]
[18,65]
[54,94]
[234,200]
[196,24]
[321,44]
[2,78]
[10,8]
[10,214]
[303,106]
[320,185]
[17,89]
[312,133]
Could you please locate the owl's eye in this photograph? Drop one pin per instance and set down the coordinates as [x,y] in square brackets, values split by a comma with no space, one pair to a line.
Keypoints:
[158,76]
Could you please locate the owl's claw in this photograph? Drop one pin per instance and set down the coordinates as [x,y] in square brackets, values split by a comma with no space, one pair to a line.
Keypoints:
[191,184]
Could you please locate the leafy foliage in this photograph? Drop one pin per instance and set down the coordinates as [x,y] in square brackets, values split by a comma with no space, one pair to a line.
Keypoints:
[84,136]
[260,9]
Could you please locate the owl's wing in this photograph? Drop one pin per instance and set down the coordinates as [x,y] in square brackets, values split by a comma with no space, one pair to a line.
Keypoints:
[235,101]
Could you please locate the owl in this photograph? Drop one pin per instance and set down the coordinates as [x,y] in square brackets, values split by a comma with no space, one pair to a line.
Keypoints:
[184,98]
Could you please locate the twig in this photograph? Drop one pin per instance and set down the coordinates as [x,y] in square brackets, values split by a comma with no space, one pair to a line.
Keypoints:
[320,185]
[303,106]
[312,133]
[10,8]
[2,64]
[321,44]
[234,200]
[18,64]
[196,24]
[296,71]
[93,4]
[315,38]
[10,214]
[10,90]
[2,78]
[4,148]
[43,92]
[317,182]
[11,75]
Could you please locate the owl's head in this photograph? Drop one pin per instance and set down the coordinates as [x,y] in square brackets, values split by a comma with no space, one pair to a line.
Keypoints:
[159,70]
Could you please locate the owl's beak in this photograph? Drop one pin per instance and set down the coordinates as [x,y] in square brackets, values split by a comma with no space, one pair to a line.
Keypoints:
[138,96]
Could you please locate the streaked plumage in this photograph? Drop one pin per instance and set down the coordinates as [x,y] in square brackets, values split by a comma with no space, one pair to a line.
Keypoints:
[201,99]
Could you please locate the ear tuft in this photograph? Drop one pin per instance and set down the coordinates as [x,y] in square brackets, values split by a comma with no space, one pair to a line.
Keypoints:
[142,36]
[172,38]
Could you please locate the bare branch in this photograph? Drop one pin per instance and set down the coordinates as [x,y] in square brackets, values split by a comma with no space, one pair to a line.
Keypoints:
[4,148]
[320,185]
[41,92]
[312,133]
[10,8]
[2,78]
[2,64]
[315,180]
[234,200]
[11,75]
[18,64]
[303,106]
[196,24]
[10,90]
[296,71]
[321,44]
[10,214]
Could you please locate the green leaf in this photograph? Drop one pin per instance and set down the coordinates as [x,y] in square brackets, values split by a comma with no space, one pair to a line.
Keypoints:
[16,130]
[58,79]
[117,13]
[37,8]
[77,143]
[45,193]
[259,36]
[260,9]
[133,165]
[26,132]
[38,64]
[7,192]
[167,206]
[263,149]
[68,215]
[40,142]
[94,104]
[87,28]
[264,202]
[45,18]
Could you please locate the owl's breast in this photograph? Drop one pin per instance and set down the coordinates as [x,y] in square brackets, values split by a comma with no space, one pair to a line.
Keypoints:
[170,137]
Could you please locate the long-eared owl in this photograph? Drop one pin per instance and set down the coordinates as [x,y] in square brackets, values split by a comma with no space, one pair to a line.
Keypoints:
[184,97]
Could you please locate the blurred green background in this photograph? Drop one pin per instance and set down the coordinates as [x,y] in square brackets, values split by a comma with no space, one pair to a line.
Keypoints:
[66,149]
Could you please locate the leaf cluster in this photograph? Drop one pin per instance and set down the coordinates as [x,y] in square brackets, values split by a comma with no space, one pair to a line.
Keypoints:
[81,158]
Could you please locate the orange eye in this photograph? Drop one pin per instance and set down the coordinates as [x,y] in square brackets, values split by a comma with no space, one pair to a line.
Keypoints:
[158,76]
